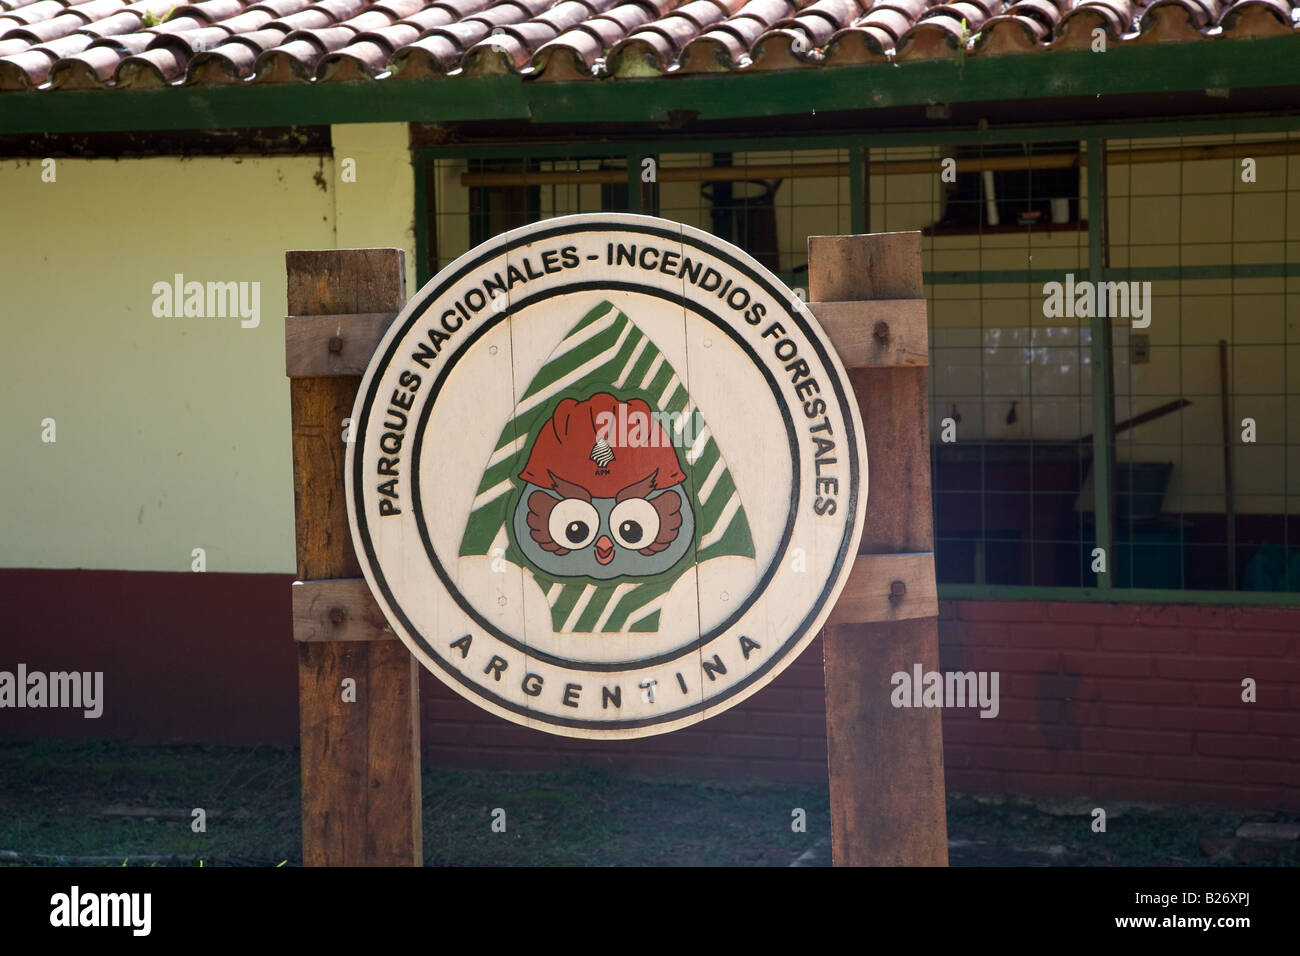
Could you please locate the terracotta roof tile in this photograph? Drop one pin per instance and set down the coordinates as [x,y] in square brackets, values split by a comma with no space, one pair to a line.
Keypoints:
[228,63]
[35,12]
[96,9]
[151,68]
[1257,18]
[90,69]
[248,21]
[282,8]
[123,21]
[178,25]
[893,21]
[68,45]
[426,57]
[126,44]
[212,10]
[398,9]
[395,36]
[60,44]
[22,71]
[305,19]
[727,46]
[39,31]
[356,61]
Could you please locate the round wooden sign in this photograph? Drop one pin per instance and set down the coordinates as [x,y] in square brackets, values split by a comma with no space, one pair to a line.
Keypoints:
[607,477]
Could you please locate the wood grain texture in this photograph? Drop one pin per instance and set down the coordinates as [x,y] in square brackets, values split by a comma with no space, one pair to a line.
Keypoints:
[360,761]
[869,594]
[886,763]
[895,418]
[318,407]
[329,281]
[855,329]
[334,746]
[316,345]
[884,265]
[342,609]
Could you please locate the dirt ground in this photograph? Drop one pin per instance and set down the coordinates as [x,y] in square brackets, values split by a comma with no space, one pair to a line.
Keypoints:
[114,803]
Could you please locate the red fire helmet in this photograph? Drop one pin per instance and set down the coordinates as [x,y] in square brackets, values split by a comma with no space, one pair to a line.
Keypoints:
[603,445]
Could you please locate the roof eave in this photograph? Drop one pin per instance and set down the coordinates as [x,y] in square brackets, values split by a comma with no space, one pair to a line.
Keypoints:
[1224,64]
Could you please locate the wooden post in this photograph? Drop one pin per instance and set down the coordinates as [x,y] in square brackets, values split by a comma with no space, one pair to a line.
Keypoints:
[886,763]
[360,760]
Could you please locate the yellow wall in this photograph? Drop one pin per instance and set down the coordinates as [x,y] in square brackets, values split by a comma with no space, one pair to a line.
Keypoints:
[379,208]
[172,433]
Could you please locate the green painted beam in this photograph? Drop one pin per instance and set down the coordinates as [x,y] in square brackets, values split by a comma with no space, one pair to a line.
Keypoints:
[1112,129]
[422,237]
[1155,68]
[1103,411]
[1197,273]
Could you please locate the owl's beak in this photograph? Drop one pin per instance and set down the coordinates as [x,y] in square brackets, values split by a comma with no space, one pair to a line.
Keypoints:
[604,549]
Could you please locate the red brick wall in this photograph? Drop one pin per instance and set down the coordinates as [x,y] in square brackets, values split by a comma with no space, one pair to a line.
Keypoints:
[1116,701]
[1128,701]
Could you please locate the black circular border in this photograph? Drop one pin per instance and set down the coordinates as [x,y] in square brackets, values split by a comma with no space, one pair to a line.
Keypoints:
[605,667]
[527,236]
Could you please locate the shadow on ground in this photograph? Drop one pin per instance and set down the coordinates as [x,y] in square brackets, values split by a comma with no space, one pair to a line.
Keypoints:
[113,803]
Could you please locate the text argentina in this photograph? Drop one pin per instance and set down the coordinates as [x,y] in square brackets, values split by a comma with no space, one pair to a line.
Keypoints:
[571,695]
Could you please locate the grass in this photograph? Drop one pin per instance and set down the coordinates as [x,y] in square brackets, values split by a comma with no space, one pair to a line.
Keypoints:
[53,798]
[1017,829]
[75,799]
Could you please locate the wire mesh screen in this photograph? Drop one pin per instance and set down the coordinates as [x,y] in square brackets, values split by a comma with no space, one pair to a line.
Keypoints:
[1010,382]
[1205,494]
[766,201]
[1156,315]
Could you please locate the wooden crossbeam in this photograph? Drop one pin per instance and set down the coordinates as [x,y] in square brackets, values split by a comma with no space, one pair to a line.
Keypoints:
[889,587]
[322,345]
[875,333]
[337,609]
[881,587]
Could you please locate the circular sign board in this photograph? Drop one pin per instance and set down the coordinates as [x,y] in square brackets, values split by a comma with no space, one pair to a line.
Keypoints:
[607,476]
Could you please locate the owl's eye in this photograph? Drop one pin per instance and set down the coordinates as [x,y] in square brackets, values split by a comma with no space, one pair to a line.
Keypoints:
[635,523]
[573,523]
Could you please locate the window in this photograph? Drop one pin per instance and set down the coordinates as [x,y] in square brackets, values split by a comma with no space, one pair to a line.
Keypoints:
[1010,186]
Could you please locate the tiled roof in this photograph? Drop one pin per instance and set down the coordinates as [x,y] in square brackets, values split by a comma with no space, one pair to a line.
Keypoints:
[63,44]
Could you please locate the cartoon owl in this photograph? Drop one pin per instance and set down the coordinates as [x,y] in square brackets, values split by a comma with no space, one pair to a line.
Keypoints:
[600,502]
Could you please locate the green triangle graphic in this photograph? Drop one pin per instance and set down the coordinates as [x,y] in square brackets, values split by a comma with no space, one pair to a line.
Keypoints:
[606,352]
